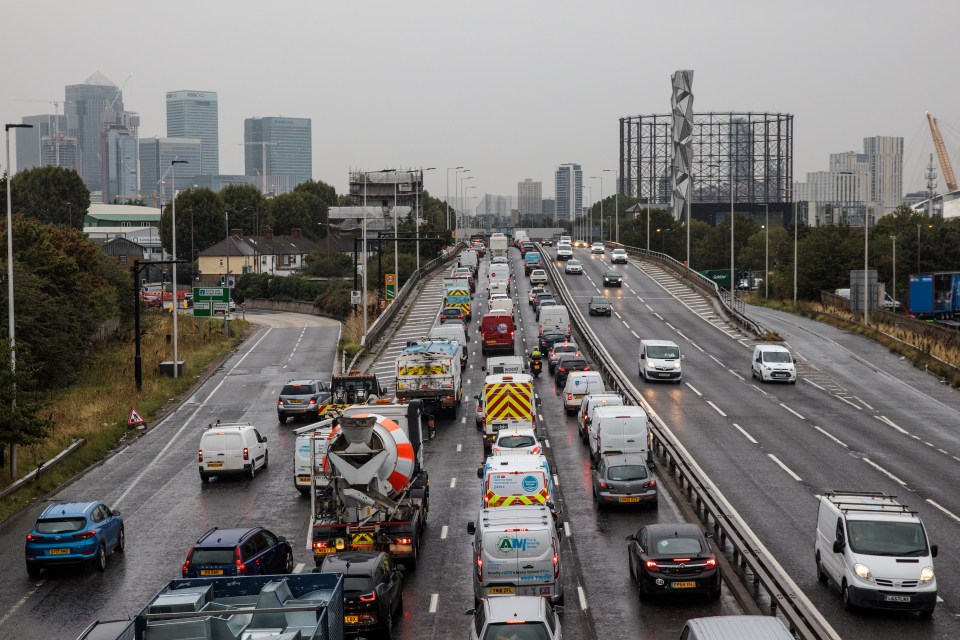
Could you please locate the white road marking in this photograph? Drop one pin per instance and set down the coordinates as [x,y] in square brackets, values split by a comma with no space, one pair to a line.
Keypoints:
[884,471]
[671,326]
[556,480]
[566,528]
[20,602]
[938,506]
[443,532]
[736,374]
[695,345]
[741,430]
[434,600]
[298,568]
[693,388]
[792,411]
[657,314]
[453,483]
[785,467]
[839,442]
[634,334]
[546,442]
[310,533]
[864,403]
[625,324]
[463,420]
[717,361]
[460,446]
[680,333]
[929,444]
[943,452]
[813,384]
[855,406]
[580,594]
[887,421]
[717,409]
[618,315]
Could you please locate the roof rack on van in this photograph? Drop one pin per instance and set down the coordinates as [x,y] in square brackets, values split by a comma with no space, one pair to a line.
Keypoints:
[229,424]
[846,501]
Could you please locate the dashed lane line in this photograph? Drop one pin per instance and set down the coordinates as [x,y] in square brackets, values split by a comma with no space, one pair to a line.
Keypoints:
[792,411]
[785,467]
[747,435]
[938,506]
[694,389]
[884,472]
[443,532]
[716,408]
[831,436]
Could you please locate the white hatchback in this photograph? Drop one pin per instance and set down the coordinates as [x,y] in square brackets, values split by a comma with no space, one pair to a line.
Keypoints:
[538,276]
[515,617]
[516,441]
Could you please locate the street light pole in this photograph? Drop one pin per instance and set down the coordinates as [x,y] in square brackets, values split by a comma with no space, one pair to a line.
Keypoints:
[866,264]
[417,212]
[11,325]
[449,169]
[732,281]
[600,178]
[795,256]
[173,228]
[648,225]
[616,204]
[363,294]
[766,254]
[396,249]
[894,238]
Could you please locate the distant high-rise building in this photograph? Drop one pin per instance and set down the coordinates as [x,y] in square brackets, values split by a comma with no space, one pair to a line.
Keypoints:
[193,114]
[885,158]
[84,108]
[549,207]
[278,147]
[30,142]
[569,191]
[530,197]
[119,155]
[156,156]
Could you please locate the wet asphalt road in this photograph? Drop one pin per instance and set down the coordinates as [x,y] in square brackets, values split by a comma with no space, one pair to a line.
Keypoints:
[859,418]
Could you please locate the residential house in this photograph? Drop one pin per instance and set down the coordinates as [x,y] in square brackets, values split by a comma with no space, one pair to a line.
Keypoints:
[266,253]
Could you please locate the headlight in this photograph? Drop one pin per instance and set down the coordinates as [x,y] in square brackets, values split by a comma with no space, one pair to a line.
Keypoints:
[926,575]
[862,571]
[650,365]
[676,365]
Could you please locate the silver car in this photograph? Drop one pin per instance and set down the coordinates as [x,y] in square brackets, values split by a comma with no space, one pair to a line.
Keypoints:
[624,479]
[573,266]
[301,398]
[519,617]
[599,306]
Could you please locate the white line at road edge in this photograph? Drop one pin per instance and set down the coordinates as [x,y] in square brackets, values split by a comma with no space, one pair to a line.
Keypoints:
[785,467]
[434,599]
[884,471]
[717,409]
[20,602]
[556,480]
[459,447]
[298,568]
[566,529]
[741,430]
[583,597]
[453,483]
[170,442]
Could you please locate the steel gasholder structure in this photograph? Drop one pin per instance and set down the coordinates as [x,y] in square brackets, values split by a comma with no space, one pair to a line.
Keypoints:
[752,152]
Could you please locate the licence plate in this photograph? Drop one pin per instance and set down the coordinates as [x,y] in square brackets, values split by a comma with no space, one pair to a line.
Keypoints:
[351,619]
[890,598]
[303,479]
[214,465]
[499,591]
[321,551]
[58,552]
[293,401]
[491,342]
[683,585]
[211,572]
[629,499]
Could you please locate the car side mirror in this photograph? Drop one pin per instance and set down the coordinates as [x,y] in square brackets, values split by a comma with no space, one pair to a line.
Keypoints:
[281,539]
[263,438]
[477,397]
[708,534]
[838,546]
[483,367]
[682,356]
[401,568]
[558,610]
[471,528]
[651,464]
[934,549]
[116,512]
[631,538]
[470,612]
[593,467]
[643,356]
[480,472]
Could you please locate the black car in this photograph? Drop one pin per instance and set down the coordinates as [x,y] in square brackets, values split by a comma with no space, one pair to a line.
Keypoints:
[372,589]
[549,338]
[547,243]
[451,313]
[673,558]
[612,279]
[565,364]
[248,551]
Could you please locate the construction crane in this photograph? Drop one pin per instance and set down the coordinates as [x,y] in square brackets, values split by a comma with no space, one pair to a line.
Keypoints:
[119,93]
[56,123]
[945,166]
[263,159]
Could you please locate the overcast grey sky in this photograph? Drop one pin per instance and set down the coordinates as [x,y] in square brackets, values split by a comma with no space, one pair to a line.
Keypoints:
[508,89]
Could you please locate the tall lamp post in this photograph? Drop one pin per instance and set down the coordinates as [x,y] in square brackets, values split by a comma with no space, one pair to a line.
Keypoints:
[588,236]
[449,169]
[173,227]
[11,329]
[417,212]
[460,198]
[616,205]
[465,189]
[894,238]
[866,264]
[766,253]
[600,178]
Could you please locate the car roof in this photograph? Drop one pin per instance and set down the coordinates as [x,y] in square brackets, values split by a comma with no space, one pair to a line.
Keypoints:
[303,382]
[620,249]
[772,347]
[517,431]
[530,608]
[671,530]
[616,273]
[529,516]
[599,299]
[69,509]
[225,537]
[363,560]
[625,458]
[660,343]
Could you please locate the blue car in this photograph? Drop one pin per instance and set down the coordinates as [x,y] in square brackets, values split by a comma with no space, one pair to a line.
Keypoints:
[74,533]
[231,552]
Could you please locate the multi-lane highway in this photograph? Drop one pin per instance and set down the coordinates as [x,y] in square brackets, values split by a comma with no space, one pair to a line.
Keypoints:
[859,418]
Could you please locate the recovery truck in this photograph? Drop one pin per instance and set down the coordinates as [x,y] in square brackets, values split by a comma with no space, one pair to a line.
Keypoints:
[377,494]
[308,606]
[430,371]
[507,402]
[348,390]
[457,294]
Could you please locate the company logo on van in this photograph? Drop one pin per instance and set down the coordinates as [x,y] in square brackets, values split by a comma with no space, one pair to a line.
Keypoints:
[502,327]
[530,484]
[509,545]
[304,448]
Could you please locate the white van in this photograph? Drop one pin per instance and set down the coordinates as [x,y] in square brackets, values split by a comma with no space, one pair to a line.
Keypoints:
[771,362]
[512,480]
[660,360]
[565,240]
[469,258]
[453,333]
[501,302]
[555,317]
[231,449]
[499,274]
[735,628]
[315,435]
[621,429]
[509,365]
[588,406]
[876,552]
[564,251]
[578,385]
[516,552]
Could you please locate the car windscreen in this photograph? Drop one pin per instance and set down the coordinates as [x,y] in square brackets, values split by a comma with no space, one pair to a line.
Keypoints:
[516,631]
[627,472]
[612,274]
[663,353]
[298,390]
[776,356]
[678,547]
[60,525]
[598,300]
[516,442]
[360,584]
[876,538]
[213,555]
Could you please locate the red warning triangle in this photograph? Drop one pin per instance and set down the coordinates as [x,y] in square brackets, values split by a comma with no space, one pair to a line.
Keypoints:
[135,418]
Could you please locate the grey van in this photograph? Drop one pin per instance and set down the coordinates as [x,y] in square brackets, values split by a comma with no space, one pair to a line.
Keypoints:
[735,628]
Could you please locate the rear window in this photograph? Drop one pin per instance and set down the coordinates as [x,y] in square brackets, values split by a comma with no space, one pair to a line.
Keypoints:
[60,525]
[511,631]
[515,442]
[679,546]
[298,390]
[573,363]
[363,584]
[627,472]
[213,555]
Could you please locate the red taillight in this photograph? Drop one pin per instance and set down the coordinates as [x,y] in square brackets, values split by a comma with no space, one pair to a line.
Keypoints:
[33,538]
[404,541]
[370,597]
[561,368]
[569,396]
[652,565]
[313,401]
[556,562]
[246,453]
[279,403]
[650,485]
[603,485]
[586,368]
[321,544]
[185,569]
[480,562]
[84,535]
[711,563]
[199,455]
[241,568]
[536,450]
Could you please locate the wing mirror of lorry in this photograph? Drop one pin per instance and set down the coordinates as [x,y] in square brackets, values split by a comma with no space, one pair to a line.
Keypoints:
[471,528]
[837,546]
[476,397]
[934,549]
[480,472]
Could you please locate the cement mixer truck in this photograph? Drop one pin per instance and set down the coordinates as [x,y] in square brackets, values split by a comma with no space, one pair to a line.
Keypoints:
[377,492]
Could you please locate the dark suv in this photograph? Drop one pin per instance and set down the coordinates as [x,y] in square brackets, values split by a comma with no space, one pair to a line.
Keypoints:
[301,398]
[233,552]
[451,313]
[566,363]
[372,589]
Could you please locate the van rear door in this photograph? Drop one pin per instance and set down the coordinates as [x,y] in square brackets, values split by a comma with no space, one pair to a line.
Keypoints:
[520,561]
[233,450]
[500,563]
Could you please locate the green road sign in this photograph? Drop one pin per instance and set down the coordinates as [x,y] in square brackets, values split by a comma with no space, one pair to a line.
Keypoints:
[390,286]
[209,302]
